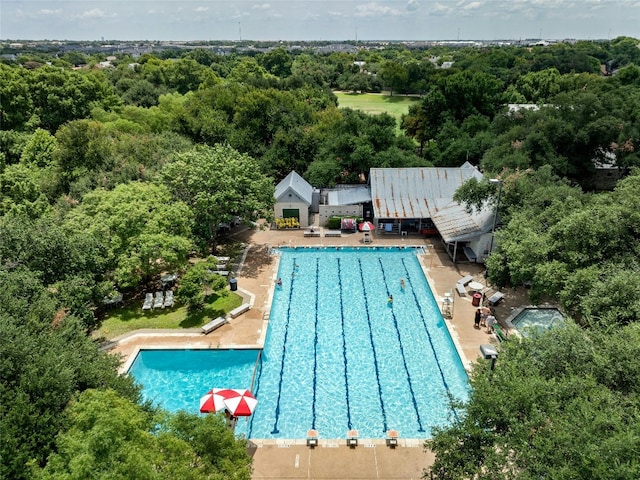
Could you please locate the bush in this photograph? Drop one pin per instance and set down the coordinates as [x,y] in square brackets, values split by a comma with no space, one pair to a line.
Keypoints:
[334,223]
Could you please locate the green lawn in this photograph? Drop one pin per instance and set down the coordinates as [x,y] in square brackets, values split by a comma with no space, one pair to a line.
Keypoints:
[131,317]
[377,103]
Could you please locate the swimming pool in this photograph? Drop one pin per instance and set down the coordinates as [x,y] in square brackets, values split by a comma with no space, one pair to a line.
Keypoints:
[177,379]
[339,356]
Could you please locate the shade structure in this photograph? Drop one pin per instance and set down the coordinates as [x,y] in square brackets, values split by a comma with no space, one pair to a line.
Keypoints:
[213,401]
[242,404]
[366,226]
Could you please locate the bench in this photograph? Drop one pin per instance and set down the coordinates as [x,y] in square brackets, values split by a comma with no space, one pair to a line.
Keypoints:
[464,280]
[471,255]
[333,233]
[312,233]
[462,291]
[240,310]
[213,324]
[495,298]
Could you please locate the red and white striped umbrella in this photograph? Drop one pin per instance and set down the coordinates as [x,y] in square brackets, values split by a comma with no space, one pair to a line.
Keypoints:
[366,227]
[213,400]
[242,404]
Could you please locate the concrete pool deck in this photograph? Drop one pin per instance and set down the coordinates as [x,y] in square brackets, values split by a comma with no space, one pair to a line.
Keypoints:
[332,458]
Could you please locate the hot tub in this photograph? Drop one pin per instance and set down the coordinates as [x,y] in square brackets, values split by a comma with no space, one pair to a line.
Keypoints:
[534,319]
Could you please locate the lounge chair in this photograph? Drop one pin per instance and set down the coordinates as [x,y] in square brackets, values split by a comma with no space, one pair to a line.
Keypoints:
[223,259]
[148,301]
[333,233]
[158,302]
[168,299]
[464,280]
[312,232]
[462,290]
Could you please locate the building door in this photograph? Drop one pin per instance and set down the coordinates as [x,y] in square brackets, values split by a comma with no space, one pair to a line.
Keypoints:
[291,213]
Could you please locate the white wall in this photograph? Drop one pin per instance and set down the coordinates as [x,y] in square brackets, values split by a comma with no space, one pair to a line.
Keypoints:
[327,211]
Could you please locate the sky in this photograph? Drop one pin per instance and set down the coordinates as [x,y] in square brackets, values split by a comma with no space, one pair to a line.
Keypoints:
[340,20]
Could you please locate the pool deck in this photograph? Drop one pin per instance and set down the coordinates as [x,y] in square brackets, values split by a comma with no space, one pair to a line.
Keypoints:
[332,458]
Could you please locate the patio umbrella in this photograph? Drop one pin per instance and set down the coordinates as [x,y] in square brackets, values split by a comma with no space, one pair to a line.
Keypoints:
[366,226]
[242,404]
[213,400]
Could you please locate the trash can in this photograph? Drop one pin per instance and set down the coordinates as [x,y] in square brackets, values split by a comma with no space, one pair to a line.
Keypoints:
[233,284]
[476,299]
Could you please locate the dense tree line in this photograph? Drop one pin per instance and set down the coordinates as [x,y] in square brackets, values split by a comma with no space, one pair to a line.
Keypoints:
[110,176]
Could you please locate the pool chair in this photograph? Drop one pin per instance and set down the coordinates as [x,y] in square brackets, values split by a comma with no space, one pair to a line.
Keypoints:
[352,438]
[392,438]
[168,299]
[159,300]
[148,301]
[312,438]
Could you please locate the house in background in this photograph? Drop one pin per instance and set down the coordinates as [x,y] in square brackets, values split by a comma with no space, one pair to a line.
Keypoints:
[294,199]
[420,200]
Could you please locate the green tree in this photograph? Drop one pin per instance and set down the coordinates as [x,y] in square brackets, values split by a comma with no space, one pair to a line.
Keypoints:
[218,183]
[394,76]
[277,62]
[45,358]
[145,231]
[17,103]
[111,437]
[199,280]
[559,405]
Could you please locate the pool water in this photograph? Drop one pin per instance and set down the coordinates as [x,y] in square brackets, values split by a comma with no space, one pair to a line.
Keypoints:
[339,356]
[177,379]
[535,319]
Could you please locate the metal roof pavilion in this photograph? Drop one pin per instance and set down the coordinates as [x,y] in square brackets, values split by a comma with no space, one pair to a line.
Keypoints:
[417,193]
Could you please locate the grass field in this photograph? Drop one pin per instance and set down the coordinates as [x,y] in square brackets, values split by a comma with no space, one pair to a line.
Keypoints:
[131,317]
[377,103]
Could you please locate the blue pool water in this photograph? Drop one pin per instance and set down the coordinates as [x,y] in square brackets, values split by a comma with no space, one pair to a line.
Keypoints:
[177,379]
[338,356]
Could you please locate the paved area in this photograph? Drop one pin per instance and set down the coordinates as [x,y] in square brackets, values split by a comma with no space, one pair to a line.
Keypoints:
[331,459]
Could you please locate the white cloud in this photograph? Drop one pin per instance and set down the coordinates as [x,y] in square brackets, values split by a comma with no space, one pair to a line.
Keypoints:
[413,5]
[374,9]
[262,6]
[47,11]
[333,13]
[96,13]
[201,9]
[440,9]
[472,6]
